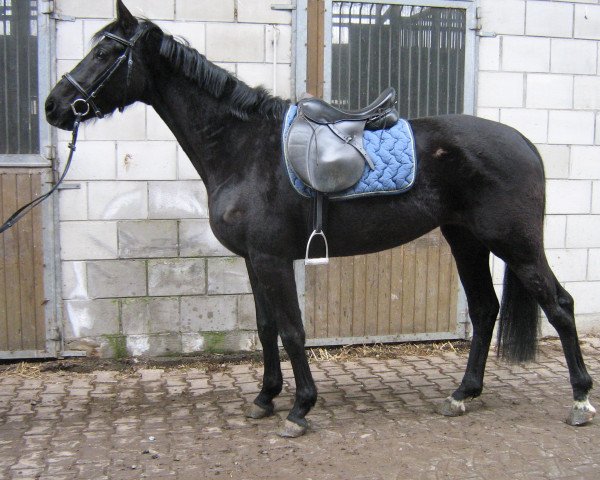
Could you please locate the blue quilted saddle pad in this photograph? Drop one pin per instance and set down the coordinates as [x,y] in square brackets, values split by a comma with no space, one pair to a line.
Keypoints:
[393,153]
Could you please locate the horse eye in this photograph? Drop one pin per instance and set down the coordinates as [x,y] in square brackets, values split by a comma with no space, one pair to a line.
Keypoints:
[100,54]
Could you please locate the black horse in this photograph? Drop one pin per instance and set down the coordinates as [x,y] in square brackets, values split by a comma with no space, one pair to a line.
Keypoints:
[480,181]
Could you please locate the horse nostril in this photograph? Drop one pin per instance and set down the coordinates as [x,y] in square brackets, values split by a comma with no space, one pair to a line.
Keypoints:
[50,106]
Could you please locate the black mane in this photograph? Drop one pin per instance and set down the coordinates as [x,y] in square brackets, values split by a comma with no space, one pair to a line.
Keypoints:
[241,99]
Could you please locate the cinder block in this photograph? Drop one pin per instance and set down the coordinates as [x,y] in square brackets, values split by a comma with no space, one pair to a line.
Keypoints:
[596,197]
[150,315]
[587,92]
[146,160]
[192,343]
[569,265]
[154,9]
[74,280]
[597,136]
[185,168]
[571,127]
[178,199]
[88,240]
[556,160]
[568,196]
[148,239]
[549,19]
[208,314]
[594,264]
[181,276]
[549,91]
[585,162]
[489,53]
[235,42]
[500,89]
[260,11]
[164,344]
[246,313]
[583,231]
[197,239]
[555,231]
[116,278]
[79,9]
[227,275]
[587,21]
[138,345]
[92,160]
[129,125]
[118,200]
[157,128]
[205,10]
[69,40]
[505,17]
[530,122]
[525,54]
[261,74]
[193,32]
[585,295]
[73,202]
[573,56]
[88,318]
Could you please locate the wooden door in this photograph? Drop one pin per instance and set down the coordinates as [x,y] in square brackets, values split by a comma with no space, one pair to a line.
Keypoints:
[410,292]
[22,297]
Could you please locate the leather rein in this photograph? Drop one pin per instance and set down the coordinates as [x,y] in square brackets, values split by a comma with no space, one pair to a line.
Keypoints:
[81,107]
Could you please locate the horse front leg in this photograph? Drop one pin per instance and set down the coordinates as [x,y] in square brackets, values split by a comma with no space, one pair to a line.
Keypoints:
[275,280]
[267,333]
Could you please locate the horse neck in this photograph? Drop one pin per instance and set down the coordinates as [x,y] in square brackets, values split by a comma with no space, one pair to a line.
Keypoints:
[214,139]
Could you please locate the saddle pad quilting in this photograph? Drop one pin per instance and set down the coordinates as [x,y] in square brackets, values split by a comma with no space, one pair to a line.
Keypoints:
[393,153]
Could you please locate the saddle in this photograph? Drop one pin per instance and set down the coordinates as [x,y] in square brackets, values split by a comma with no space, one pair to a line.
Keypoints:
[324,146]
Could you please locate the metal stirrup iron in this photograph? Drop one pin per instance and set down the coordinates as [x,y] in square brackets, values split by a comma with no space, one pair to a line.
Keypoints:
[317,232]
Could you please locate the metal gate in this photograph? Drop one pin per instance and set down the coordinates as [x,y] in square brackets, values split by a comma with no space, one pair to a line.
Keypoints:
[27,275]
[355,50]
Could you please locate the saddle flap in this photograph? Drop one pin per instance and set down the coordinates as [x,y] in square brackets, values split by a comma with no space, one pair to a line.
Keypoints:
[327,159]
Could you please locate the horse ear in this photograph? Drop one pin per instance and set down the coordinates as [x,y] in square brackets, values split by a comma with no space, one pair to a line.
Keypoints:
[126,20]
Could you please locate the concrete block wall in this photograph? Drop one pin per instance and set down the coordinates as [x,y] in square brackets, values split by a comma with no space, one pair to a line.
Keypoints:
[142,273]
[541,74]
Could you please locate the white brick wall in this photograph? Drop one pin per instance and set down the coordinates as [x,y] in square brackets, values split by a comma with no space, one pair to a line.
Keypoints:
[136,245]
[553,47]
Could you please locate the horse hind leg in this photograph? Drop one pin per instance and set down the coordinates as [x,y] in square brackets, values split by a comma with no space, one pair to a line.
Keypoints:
[472,260]
[558,305]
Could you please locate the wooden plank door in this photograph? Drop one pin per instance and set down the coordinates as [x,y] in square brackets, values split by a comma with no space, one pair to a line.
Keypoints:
[22,296]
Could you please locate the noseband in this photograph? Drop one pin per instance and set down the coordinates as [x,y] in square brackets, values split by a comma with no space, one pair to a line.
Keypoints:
[81,106]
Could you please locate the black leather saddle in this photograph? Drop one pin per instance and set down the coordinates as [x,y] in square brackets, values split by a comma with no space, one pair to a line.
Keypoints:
[378,115]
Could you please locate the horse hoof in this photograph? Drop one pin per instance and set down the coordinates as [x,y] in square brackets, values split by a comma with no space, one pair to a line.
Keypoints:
[582,413]
[293,429]
[452,407]
[256,412]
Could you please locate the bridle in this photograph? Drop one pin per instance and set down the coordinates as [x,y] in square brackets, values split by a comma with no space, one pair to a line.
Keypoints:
[81,106]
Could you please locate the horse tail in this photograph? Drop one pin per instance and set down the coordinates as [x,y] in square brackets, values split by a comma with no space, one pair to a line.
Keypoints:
[518,327]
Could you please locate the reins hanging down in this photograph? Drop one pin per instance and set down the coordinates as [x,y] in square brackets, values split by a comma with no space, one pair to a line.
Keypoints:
[81,107]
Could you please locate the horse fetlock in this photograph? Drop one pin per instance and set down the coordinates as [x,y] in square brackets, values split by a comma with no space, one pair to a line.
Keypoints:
[581,413]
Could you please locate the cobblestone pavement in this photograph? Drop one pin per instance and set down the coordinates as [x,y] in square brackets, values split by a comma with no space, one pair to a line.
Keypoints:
[375,419]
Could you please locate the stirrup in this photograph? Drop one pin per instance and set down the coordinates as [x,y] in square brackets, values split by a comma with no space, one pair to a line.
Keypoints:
[321,260]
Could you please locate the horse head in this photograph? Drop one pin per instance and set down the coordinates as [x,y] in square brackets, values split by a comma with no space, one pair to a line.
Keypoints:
[112,75]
